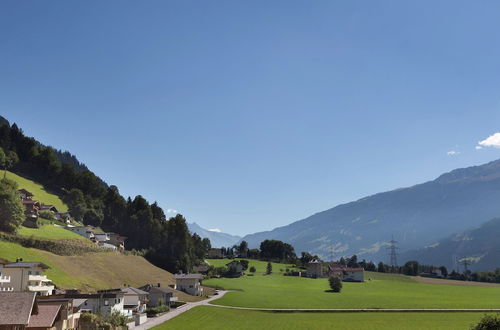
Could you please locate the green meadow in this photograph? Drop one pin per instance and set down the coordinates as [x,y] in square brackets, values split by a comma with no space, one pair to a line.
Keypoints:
[50,232]
[207,317]
[38,191]
[382,291]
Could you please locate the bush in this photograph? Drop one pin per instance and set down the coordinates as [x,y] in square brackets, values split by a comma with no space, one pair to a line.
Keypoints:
[335,283]
[46,215]
[488,322]
[252,269]
[269,268]
[153,311]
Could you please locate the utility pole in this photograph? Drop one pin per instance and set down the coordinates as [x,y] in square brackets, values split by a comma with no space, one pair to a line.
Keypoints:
[393,253]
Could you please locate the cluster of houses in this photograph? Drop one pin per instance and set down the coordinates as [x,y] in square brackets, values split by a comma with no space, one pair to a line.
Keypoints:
[29,300]
[110,240]
[320,269]
[32,209]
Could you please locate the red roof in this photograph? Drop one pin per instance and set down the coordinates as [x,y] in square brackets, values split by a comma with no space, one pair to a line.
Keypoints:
[45,318]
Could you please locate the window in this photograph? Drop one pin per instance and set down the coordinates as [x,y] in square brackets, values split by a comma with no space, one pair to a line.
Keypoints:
[29,272]
[190,286]
[106,302]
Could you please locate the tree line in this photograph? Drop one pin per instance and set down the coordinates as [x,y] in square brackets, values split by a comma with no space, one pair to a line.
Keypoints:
[165,242]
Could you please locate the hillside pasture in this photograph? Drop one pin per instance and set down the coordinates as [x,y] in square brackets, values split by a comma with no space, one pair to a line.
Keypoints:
[50,232]
[208,318]
[382,291]
[38,191]
[93,271]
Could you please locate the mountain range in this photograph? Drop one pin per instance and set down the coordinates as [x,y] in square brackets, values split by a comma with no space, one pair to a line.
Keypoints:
[479,246]
[217,238]
[416,216]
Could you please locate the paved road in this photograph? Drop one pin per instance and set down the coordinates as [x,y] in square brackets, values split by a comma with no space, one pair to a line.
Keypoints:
[153,322]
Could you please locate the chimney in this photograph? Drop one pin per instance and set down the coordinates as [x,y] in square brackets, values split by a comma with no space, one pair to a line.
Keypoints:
[159,284]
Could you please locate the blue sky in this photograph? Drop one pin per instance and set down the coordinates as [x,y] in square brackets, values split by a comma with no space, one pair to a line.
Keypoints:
[247,115]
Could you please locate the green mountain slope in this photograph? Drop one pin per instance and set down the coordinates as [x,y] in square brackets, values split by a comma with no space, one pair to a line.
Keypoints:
[39,192]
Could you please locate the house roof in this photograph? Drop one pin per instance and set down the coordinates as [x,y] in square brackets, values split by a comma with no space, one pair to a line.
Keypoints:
[134,291]
[48,207]
[25,265]
[16,307]
[29,201]
[45,318]
[188,276]
[155,289]
[24,191]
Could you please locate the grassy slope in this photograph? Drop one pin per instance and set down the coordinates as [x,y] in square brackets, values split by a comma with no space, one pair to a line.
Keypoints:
[40,194]
[383,291]
[49,232]
[94,270]
[206,317]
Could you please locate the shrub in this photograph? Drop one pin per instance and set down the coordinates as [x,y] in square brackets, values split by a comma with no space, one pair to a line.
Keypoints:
[153,311]
[269,268]
[252,269]
[335,283]
[488,322]
[46,215]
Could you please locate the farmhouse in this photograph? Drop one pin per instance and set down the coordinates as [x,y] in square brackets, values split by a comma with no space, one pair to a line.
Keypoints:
[189,283]
[85,231]
[27,276]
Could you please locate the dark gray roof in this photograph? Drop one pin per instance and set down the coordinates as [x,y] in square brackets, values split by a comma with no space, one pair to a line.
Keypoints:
[16,307]
[25,265]
[133,291]
[155,289]
[188,276]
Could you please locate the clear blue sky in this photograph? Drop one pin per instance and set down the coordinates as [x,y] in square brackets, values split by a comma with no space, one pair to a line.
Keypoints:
[247,115]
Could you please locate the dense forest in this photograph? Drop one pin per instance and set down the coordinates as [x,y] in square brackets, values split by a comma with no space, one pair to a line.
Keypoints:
[165,242]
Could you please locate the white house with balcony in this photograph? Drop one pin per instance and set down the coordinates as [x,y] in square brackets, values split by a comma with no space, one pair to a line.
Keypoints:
[27,276]
[189,283]
[4,281]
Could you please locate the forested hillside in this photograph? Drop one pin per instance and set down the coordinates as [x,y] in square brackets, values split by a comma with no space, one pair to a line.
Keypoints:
[165,242]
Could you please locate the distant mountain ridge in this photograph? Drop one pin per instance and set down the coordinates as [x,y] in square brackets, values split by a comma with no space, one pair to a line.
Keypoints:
[480,246]
[217,239]
[417,216]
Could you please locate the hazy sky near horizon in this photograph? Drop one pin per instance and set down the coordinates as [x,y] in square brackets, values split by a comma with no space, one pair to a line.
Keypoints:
[248,115]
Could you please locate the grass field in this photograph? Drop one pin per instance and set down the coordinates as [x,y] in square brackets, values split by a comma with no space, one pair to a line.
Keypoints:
[39,192]
[383,291]
[50,232]
[260,266]
[206,317]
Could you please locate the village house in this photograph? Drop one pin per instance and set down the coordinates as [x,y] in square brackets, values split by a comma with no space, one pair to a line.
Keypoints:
[117,240]
[159,296]
[4,281]
[27,276]
[134,301]
[50,208]
[69,314]
[189,283]
[23,193]
[102,302]
[85,231]
[20,310]
[315,269]
[16,309]
[31,208]
[215,254]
